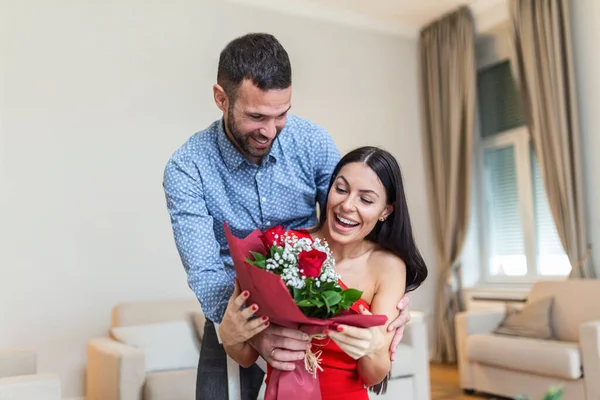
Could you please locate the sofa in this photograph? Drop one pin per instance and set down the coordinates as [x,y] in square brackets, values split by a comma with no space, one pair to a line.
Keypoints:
[512,365]
[150,352]
[19,379]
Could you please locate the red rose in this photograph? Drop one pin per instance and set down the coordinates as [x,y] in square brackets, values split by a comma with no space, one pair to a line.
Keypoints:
[300,234]
[274,234]
[311,262]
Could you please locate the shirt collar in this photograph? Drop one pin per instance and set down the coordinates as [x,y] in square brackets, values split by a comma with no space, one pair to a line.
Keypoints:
[232,156]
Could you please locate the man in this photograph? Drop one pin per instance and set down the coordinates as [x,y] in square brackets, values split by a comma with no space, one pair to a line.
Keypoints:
[256,167]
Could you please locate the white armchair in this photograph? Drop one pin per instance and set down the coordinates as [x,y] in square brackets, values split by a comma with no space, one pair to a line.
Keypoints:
[151,353]
[512,365]
[19,379]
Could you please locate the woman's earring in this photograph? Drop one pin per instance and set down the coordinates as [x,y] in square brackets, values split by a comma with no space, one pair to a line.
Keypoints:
[382,219]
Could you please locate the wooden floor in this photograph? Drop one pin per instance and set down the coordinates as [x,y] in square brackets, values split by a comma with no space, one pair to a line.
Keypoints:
[444,384]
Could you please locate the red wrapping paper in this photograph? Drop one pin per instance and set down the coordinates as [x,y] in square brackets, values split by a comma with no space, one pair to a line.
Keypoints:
[274,300]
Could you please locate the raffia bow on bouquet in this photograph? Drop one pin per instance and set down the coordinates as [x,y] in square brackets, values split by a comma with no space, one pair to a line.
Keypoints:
[292,279]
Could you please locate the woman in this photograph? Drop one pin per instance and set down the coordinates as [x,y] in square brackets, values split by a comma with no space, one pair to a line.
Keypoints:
[367,226]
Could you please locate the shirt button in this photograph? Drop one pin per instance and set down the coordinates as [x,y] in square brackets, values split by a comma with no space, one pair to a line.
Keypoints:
[264,199]
[258,173]
[268,223]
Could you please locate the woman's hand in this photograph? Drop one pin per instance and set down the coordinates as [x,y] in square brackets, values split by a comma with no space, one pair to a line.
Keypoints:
[358,342]
[237,326]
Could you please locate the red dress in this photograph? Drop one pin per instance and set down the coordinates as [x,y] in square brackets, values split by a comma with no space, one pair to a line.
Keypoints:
[339,379]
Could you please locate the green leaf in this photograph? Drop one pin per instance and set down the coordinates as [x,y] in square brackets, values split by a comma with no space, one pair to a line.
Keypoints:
[327,286]
[332,298]
[297,294]
[351,295]
[317,302]
[259,264]
[304,303]
[257,256]
[259,260]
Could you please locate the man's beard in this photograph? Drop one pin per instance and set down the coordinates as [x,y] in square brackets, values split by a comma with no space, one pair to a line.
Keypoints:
[243,140]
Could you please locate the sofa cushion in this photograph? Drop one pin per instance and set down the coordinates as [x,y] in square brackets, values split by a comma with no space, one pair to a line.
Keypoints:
[166,345]
[154,311]
[171,385]
[536,356]
[574,304]
[405,362]
[533,320]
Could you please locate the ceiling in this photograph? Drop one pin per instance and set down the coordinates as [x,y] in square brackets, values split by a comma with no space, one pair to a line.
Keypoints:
[411,13]
[398,16]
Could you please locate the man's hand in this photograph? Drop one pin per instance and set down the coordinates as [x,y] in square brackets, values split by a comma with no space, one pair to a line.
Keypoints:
[399,324]
[280,347]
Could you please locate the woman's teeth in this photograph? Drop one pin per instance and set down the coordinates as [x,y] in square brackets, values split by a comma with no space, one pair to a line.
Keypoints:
[345,221]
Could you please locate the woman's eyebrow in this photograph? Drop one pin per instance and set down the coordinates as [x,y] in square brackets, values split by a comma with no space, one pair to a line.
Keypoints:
[362,190]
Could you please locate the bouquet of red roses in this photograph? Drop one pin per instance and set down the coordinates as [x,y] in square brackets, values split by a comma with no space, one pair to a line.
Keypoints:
[292,278]
[307,268]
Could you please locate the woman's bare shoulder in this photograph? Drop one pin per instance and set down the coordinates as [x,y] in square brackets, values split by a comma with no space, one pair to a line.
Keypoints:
[390,275]
[387,263]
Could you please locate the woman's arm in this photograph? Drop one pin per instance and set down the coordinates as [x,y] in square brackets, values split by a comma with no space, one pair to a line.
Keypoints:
[374,366]
[371,346]
[237,327]
[242,353]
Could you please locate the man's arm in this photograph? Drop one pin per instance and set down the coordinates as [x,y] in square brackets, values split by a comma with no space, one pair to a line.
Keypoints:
[195,238]
[325,157]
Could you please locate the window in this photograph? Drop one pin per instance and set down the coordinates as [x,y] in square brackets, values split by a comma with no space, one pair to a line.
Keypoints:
[520,242]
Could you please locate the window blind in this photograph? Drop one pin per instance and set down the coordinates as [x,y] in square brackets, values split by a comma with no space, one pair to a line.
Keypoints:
[500,107]
[506,228]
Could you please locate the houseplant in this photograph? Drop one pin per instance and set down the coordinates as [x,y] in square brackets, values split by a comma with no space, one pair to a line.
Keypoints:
[554,393]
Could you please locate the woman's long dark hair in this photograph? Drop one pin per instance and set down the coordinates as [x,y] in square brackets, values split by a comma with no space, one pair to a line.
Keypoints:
[394,234]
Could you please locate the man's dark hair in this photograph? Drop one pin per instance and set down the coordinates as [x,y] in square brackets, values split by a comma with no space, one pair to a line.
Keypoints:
[255,56]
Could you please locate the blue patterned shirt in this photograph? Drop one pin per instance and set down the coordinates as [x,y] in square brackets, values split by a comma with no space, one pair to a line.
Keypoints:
[208,182]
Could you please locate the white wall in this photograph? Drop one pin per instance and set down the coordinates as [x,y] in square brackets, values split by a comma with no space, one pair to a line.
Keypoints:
[97,95]
[585,26]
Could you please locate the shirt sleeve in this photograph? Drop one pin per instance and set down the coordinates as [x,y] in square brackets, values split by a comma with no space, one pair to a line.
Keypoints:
[195,239]
[325,161]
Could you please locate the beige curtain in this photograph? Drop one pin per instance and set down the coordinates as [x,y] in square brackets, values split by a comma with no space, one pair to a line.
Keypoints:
[448,76]
[543,63]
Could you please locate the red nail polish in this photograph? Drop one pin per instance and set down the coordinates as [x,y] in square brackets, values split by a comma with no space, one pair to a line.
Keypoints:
[254,307]
[245,294]
[264,318]
[267,323]
[326,332]
[340,328]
